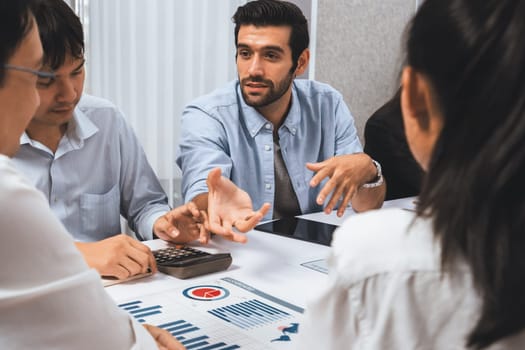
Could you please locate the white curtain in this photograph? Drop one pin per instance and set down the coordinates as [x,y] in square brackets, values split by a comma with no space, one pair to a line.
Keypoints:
[151,58]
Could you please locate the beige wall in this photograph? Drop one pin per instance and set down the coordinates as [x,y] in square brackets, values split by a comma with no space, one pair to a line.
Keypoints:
[359,50]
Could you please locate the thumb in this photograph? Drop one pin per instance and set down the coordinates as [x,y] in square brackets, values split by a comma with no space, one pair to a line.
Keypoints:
[164,229]
[213,177]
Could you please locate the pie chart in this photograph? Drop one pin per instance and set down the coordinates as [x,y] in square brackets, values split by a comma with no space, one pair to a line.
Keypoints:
[206,292]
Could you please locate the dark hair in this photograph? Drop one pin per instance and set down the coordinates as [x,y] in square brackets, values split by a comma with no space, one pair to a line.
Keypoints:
[275,13]
[473,53]
[15,22]
[61,32]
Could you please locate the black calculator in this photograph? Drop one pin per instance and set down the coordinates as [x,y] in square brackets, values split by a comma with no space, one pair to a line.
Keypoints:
[185,262]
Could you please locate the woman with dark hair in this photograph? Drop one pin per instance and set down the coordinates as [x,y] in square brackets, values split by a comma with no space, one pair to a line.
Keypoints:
[451,275]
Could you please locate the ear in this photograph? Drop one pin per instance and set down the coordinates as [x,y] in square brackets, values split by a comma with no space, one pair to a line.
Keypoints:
[421,116]
[415,98]
[302,62]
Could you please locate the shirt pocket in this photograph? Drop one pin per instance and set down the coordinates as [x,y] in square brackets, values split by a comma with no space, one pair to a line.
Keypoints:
[100,214]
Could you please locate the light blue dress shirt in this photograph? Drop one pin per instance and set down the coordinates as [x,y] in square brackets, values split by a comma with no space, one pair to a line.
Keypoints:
[98,172]
[221,130]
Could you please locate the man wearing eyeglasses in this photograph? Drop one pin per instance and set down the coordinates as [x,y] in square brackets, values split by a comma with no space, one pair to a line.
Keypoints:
[79,151]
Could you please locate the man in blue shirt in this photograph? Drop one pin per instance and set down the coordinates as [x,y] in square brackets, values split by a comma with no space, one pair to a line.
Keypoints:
[79,151]
[291,143]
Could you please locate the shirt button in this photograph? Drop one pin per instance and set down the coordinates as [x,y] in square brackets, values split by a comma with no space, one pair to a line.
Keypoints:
[267,147]
[268,186]
[268,126]
[293,130]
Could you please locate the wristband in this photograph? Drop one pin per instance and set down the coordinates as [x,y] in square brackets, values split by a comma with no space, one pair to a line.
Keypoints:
[378,181]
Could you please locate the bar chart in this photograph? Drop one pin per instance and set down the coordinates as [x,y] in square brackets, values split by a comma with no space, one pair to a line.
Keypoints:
[185,332]
[135,309]
[248,314]
[180,328]
[201,318]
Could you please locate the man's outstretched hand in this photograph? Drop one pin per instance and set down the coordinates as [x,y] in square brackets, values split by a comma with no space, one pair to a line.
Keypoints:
[230,207]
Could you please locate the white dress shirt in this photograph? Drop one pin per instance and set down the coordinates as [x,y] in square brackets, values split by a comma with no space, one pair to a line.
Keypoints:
[386,291]
[98,172]
[49,298]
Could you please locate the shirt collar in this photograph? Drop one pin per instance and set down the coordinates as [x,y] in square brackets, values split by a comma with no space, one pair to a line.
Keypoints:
[24,139]
[79,129]
[255,121]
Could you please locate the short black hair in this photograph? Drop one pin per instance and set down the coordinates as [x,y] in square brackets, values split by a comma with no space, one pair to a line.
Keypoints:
[61,32]
[16,21]
[275,13]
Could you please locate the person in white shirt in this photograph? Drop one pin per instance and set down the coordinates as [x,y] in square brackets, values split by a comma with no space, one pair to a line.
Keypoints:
[450,274]
[49,298]
[80,152]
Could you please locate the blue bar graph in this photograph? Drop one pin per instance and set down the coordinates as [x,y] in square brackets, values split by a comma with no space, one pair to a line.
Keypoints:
[249,314]
[180,329]
[131,304]
[184,331]
[135,309]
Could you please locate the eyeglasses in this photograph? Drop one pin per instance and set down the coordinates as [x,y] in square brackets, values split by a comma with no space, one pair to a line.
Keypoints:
[43,78]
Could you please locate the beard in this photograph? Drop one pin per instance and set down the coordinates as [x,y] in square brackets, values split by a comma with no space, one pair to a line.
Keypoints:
[275,91]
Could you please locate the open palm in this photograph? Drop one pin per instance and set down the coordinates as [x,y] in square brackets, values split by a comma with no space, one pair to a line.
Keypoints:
[230,207]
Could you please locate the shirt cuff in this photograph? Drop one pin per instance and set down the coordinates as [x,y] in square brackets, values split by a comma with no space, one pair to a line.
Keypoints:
[194,192]
[145,228]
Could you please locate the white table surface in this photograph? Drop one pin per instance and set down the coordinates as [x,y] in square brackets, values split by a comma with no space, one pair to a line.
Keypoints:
[268,262]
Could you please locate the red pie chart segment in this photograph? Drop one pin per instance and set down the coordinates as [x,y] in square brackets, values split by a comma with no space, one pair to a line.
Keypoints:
[206,293]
